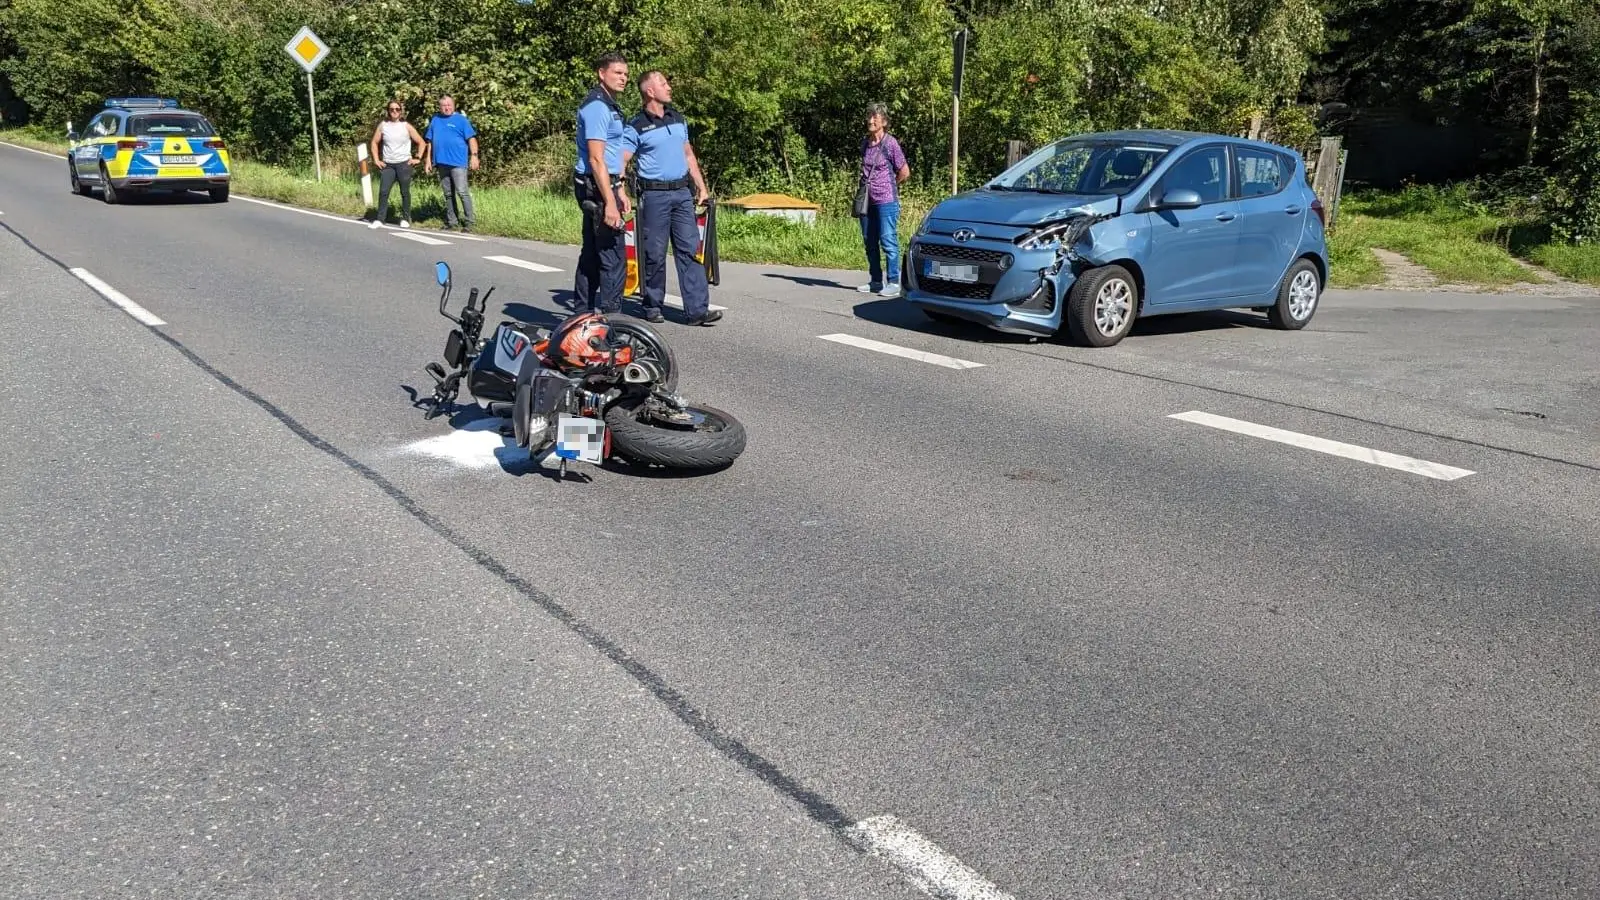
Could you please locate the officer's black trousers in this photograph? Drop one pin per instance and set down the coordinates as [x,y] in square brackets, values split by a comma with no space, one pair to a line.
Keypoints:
[671,213]
[602,263]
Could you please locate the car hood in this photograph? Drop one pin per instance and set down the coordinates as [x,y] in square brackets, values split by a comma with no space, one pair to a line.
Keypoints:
[1019,208]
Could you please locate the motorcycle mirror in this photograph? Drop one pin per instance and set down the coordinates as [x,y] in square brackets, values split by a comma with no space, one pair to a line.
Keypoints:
[441,272]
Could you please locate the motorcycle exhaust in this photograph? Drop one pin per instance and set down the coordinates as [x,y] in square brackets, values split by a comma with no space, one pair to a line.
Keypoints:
[641,372]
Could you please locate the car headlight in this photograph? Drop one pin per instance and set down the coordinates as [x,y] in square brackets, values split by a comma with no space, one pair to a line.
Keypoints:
[1043,237]
[922,227]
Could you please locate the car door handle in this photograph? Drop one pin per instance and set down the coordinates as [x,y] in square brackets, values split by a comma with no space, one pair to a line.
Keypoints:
[1293,210]
[1225,217]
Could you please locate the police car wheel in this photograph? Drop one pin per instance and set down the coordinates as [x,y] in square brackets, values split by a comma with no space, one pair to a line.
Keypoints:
[108,191]
[219,194]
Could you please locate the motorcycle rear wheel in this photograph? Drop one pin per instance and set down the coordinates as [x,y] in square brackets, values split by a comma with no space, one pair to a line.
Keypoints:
[712,440]
[647,343]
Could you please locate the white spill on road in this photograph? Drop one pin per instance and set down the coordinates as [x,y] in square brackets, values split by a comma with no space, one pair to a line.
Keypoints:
[935,872]
[117,297]
[1323,445]
[476,445]
[949,362]
[522,263]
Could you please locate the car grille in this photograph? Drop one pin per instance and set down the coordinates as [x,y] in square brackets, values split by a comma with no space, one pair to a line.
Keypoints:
[958,289]
[971,254]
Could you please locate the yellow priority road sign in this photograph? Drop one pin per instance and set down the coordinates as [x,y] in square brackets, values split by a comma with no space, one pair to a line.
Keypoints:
[307,49]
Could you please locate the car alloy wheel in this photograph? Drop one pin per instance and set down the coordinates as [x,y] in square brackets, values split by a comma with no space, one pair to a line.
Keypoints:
[1112,306]
[1303,294]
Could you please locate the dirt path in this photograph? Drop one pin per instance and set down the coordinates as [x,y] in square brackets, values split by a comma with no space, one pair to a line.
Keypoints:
[1401,274]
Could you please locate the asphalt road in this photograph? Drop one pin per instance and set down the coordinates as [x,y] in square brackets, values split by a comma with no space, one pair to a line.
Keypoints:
[268,632]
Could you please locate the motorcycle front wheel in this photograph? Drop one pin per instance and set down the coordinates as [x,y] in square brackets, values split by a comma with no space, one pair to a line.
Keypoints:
[704,438]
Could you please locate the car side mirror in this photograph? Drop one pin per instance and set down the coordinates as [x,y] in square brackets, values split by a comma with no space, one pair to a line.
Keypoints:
[1182,198]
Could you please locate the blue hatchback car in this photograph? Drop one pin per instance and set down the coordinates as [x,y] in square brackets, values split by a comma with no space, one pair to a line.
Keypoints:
[1093,231]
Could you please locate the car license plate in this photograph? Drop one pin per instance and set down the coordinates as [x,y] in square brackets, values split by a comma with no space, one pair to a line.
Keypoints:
[178,160]
[578,437]
[932,268]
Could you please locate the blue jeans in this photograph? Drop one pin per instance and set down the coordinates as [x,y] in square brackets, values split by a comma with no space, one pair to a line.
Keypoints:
[880,227]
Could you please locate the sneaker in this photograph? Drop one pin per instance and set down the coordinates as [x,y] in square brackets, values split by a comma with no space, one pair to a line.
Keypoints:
[890,290]
[374,224]
[404,224]
[866,289]
[651,314]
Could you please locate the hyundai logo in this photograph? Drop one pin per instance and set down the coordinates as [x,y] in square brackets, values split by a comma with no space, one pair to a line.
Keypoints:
[962,235]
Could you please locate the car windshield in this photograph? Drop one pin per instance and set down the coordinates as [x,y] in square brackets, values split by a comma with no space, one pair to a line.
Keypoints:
[161,124]
[1082,167]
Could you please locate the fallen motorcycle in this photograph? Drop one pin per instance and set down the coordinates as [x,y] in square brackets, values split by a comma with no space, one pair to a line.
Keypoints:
[592,388]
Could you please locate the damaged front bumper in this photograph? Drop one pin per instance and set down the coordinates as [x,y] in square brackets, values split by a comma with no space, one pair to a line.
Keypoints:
[1018,286]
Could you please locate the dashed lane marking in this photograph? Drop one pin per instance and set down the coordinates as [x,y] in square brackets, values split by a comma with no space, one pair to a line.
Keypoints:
[936,359]
[117,297]
[1323,445]
[522,263]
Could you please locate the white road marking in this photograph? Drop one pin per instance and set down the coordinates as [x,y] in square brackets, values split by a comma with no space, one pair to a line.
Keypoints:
[1323,445]
[676,302]
[522,264]
[948,362]
[306,212]
[117,297]
[419,238]
[930,868]
[61,156]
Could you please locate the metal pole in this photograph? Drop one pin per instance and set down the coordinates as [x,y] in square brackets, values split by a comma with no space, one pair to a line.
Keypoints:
[955,139]
[316,147]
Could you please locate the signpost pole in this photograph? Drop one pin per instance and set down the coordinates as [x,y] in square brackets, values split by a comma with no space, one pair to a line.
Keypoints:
[955,108]
[316,147]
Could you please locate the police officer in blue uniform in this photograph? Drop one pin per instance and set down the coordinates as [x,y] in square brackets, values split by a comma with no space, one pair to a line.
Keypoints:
[597,183]
[657,140]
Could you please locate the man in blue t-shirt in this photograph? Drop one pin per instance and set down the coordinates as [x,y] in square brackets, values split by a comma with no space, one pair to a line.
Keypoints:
[657,141]
[597,183]
[452,148]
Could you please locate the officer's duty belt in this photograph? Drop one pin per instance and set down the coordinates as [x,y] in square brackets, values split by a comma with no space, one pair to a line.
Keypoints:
[646,184]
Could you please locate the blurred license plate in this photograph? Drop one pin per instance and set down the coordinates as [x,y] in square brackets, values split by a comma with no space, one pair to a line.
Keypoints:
[578,437]
[932,268]
[179,160]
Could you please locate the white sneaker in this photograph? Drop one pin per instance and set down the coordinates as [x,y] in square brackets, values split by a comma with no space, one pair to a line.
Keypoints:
[864,289]
[404,224]
[374,224]
[890,290]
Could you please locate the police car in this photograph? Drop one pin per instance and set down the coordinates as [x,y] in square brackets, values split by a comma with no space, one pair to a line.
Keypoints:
[136,144]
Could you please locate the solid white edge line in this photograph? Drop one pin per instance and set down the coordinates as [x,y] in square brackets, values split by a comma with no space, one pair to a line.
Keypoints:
[934,871]
[117,297]
[61,156]
[522,263]
[420,238]
[1323,445]
[936,359]
[304,212]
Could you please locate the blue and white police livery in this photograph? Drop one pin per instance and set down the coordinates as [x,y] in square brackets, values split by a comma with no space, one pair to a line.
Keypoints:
[660,149]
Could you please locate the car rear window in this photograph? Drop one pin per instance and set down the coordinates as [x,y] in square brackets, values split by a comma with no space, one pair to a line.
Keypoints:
[175,124]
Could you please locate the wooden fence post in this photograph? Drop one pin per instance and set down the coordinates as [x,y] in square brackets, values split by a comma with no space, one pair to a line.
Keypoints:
[1014,153]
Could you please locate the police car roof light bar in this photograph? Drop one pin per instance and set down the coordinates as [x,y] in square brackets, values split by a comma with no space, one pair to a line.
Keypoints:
[141,103]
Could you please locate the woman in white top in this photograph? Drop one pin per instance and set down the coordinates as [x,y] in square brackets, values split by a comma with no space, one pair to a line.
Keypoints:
[396,147]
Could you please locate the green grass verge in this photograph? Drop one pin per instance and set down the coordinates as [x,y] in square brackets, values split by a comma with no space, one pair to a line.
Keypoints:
[1441,229]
